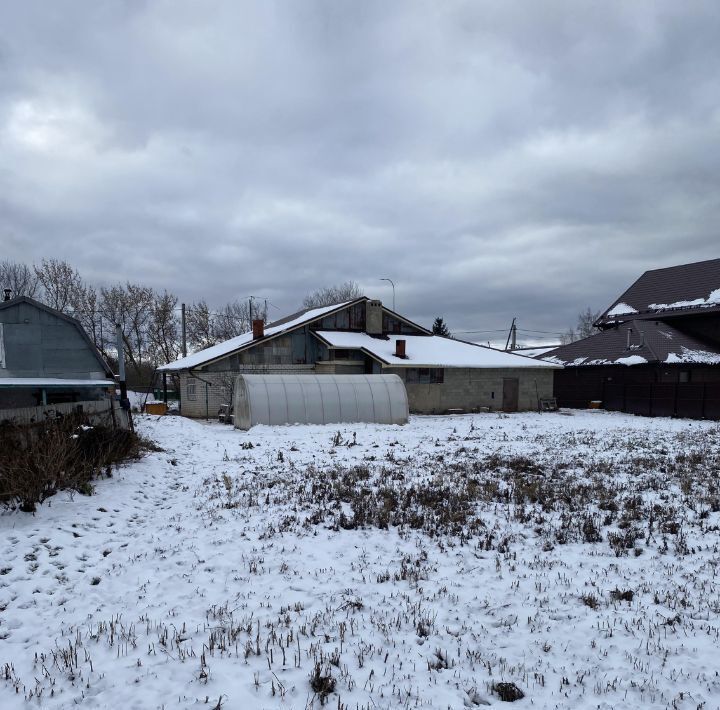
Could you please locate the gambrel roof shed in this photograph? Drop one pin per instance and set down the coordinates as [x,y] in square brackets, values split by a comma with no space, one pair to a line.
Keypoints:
[38,342]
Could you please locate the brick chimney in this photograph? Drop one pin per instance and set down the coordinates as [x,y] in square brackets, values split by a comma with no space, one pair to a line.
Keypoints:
[400,349]
[8,294]
[373,317]
[258,328]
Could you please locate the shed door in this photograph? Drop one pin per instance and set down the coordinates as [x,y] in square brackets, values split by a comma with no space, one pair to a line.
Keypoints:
[511,386]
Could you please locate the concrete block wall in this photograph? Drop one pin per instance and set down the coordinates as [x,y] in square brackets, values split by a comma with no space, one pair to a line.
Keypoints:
[340,367]
[463,388]
[473,388]
[219,389]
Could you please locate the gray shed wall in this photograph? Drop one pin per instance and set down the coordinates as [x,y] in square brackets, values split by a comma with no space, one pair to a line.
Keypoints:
[40,344]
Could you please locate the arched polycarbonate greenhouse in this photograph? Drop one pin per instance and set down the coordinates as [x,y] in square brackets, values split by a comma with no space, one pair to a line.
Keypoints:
[319,399]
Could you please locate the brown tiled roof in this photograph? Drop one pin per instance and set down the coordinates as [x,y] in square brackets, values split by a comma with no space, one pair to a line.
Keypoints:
[671,291]
[654,341]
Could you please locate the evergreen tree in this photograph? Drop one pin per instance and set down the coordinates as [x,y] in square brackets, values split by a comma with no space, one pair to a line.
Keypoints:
[439,327]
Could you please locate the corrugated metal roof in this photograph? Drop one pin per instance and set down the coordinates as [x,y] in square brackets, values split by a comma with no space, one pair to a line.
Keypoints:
[62,316]
[650,342]
[676,289]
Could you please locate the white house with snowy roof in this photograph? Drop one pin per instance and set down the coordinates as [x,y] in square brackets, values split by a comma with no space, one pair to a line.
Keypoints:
[364,337]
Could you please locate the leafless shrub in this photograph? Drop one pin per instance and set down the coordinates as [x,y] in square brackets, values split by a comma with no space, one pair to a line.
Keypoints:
[37,460]
[508,692]
[590,600]
[322,682]
[625,595]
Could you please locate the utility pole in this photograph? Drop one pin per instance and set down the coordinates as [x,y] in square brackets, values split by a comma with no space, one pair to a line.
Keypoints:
[511,334]
[184,331]
[124,402]
[251,313]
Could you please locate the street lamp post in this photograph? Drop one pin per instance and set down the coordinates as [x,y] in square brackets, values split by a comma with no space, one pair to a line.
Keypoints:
[393,288]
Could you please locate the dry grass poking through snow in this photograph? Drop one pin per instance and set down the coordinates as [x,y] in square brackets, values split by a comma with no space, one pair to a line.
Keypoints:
[463,561]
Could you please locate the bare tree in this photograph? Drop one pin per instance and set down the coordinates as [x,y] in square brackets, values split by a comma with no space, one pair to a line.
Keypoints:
[85,308]
[164,333]
[330,295]
[584,327]
[585,322]
[232,320]
[61,284]
[19,278]
[199,326]
[569,336]
[206,328]
[131,306]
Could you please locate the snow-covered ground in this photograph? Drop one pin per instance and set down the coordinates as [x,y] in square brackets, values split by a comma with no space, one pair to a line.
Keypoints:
[419,566]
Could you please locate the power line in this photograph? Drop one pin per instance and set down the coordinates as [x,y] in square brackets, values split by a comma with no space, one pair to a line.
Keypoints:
[547,332]
[499,330]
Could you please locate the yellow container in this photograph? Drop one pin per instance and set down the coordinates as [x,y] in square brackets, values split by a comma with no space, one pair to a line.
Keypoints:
[156,408]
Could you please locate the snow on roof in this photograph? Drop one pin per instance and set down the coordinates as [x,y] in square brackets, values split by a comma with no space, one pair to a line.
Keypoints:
[685,287]
[650,341]
[620,309]
[631,360]
[713,299]
[687,355]
[51,382]
[429,351]
[229,346]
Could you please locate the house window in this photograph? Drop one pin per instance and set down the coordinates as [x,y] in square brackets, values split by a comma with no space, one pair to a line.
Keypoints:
[190,389]
[684,376]
[425,375]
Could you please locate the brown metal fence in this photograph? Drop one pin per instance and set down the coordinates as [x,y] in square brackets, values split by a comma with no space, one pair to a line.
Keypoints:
[691,400]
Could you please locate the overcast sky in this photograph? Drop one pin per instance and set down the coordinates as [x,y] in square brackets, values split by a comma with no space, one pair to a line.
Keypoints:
[495,159]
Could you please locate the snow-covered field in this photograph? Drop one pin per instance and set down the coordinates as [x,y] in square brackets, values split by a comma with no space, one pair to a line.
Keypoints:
[377,567]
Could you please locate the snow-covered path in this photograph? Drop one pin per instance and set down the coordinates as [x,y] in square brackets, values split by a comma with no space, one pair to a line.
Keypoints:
[214,572]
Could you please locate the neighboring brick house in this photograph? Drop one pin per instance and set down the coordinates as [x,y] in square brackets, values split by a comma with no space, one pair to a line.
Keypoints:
[364,337]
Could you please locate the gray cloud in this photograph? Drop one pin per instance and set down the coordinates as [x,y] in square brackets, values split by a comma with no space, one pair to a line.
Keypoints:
[495,159]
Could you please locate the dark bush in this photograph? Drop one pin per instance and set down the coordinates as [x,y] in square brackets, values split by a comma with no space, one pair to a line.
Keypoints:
[322,683]
[508,692]
[37,460]
[625,595]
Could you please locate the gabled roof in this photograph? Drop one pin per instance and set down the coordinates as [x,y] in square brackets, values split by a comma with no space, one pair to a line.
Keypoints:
[241,342]
[62,316]
[675,290]
[427,351]
[650,342]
